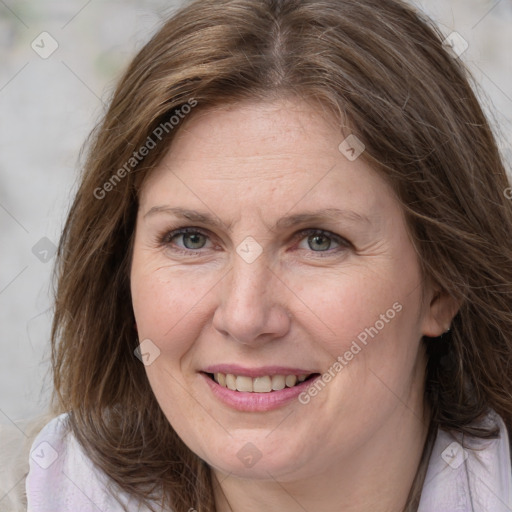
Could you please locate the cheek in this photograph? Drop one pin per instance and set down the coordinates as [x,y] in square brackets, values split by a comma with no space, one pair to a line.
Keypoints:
[166,306]
[374,319]
[358,303]
[162,292]
[166,312]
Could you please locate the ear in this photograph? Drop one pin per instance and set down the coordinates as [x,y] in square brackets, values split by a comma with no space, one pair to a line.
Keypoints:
[439,313]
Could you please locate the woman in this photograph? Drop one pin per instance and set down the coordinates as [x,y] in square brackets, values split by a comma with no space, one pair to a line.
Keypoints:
[285,281]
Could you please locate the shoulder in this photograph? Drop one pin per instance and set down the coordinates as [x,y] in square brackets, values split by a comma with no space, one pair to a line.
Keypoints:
[15,444]
[469,473]
[62,477]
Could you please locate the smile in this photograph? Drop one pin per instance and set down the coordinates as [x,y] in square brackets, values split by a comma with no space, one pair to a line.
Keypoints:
[260,393]
[263,384]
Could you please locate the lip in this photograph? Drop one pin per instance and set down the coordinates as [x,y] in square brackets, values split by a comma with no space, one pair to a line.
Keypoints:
[256,402]
[262,371]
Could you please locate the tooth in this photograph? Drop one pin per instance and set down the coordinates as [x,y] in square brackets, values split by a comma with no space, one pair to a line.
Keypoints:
[278,382]
[262,385]
[243,383]
[290,380]
[231,382]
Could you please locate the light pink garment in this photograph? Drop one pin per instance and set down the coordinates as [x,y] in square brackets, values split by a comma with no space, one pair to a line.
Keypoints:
[477,478]
[62,478]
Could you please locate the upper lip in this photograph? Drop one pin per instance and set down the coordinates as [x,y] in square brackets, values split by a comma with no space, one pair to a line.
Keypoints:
[260,371]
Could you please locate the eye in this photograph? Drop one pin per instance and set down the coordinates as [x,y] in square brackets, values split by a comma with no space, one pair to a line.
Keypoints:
[192,239]
[319,240]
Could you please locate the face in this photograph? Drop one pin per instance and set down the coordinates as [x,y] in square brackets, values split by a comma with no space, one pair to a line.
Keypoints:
[265,257]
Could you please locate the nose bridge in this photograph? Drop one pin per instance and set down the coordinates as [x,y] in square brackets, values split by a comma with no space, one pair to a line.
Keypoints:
[249,283]
[250,270]
[249,305]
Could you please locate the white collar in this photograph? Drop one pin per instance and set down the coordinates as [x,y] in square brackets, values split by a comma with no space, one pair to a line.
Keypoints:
[62,477]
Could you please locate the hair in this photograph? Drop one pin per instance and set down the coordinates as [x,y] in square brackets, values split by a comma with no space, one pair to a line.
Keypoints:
[378,65]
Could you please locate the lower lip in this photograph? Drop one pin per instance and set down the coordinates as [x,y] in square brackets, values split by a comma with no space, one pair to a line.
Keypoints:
[256,402]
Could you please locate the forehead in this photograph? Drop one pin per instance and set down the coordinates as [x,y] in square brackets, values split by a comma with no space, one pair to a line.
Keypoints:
[285,151]
[278,129]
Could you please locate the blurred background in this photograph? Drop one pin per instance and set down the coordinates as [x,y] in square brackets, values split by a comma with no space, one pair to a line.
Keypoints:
[59,64]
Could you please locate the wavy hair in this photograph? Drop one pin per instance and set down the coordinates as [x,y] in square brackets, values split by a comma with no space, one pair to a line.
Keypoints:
[377,64]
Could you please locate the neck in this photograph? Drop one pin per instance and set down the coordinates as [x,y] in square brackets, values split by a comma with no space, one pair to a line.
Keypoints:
[376,478]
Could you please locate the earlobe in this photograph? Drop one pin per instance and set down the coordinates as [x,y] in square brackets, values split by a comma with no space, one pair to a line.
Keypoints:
[439,315]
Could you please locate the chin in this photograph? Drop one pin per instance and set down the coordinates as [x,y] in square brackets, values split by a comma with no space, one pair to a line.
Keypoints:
[258,460]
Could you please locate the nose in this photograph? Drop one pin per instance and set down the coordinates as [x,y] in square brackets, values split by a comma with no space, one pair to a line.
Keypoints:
[252,305]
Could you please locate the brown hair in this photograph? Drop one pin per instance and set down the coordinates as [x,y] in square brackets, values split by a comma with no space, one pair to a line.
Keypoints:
[376,64]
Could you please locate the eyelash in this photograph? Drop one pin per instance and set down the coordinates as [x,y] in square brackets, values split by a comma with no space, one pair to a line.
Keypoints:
[164,240]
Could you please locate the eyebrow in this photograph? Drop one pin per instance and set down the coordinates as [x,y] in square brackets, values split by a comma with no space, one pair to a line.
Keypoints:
[205,218]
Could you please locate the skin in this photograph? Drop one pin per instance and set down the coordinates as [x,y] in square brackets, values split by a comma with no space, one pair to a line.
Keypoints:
[357,444]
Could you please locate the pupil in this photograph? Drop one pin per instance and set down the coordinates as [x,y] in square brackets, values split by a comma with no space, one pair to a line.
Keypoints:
[321,237]
[194,237]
